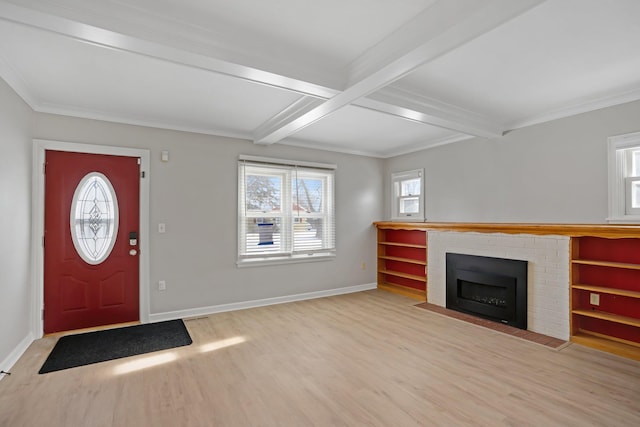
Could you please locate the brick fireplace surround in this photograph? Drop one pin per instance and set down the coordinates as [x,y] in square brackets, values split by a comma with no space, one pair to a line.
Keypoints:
[548,271]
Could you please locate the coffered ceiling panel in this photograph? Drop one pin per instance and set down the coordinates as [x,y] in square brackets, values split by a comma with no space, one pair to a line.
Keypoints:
[367,131]
[69,76]
[557,58]
[372,77]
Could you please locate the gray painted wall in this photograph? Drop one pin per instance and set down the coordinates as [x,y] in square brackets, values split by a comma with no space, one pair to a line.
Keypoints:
[15,220]
[551,172]
[195,194]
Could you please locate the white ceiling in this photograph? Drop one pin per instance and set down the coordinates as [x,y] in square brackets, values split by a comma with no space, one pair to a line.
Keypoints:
[372,77]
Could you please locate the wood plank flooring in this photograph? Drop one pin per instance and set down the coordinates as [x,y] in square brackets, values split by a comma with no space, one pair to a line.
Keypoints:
[369,358]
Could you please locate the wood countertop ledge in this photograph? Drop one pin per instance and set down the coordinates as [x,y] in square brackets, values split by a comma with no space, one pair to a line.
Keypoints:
[572,230]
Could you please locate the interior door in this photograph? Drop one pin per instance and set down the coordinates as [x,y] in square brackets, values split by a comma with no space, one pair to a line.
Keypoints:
[91,242]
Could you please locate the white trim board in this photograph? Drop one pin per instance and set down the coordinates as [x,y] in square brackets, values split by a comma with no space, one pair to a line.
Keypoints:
[37,220]
[204,311]
[17,352]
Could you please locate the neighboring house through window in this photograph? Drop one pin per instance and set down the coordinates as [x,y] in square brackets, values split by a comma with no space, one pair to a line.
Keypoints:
[624,178]
[286,211]
[408,195]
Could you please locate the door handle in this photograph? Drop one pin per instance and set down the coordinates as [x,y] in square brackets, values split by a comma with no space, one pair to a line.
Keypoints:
[133,252]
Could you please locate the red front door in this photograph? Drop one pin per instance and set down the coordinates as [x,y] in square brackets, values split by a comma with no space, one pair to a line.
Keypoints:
[91,263]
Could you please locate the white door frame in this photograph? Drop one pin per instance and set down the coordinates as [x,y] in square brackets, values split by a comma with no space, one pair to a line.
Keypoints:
[37,221]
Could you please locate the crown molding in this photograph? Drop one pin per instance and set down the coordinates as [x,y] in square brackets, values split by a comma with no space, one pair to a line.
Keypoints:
[17,83]
[425,145]
[579,108]
[84,113]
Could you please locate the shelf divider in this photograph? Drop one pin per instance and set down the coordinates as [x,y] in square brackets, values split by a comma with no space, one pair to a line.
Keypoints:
[606,290]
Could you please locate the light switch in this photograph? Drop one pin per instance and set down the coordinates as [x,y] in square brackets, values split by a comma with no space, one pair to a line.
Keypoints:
[162,227]
[164,156]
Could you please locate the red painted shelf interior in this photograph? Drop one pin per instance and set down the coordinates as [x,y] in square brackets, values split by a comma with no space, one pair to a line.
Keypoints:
[616,330]
[413,237]
[417,254]
[610,277]
[408,248]
[616,316]
[613,250]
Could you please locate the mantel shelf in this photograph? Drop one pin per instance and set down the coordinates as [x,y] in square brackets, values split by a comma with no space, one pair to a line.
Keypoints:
[572,230]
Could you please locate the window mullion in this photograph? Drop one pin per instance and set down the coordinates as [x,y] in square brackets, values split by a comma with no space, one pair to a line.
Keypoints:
[287,219]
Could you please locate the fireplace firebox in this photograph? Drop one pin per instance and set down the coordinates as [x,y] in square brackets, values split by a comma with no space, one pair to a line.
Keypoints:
[491,288]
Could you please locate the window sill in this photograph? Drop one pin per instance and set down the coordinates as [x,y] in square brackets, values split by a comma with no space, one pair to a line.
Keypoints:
[292,259]
[627,219]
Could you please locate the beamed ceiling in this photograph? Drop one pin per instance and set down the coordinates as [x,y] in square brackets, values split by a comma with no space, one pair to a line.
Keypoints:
[372,77]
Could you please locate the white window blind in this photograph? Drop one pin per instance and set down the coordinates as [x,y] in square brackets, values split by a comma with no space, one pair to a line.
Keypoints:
[286,210]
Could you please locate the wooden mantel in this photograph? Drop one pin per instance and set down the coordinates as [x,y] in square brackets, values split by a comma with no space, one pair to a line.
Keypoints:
[571,230]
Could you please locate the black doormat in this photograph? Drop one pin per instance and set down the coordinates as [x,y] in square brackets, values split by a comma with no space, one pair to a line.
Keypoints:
[83,349]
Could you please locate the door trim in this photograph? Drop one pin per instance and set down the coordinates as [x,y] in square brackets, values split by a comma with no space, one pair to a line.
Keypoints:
[37,221]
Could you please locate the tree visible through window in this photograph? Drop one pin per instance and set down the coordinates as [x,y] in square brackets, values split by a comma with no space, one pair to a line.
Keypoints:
[285,210]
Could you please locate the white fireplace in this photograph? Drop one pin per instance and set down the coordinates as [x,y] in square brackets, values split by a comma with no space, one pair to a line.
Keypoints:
[548,271]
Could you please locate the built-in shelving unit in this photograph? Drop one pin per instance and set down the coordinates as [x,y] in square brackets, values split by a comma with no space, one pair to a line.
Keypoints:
[402,261]
[605,294]
[604,269]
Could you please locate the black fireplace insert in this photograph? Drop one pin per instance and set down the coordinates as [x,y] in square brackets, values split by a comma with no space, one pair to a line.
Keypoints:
[491,288]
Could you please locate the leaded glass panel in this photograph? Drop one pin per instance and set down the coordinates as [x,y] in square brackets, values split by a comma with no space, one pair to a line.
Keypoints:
[94,218]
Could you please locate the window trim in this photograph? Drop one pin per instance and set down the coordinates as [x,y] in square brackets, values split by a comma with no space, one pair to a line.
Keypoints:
[619,179]
[396,197]
[244,260]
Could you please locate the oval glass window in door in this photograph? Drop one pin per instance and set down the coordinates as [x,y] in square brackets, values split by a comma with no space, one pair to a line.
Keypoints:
[94,218]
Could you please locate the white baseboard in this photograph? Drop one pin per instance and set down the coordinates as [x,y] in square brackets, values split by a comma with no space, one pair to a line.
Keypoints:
[204,311]
[17,352]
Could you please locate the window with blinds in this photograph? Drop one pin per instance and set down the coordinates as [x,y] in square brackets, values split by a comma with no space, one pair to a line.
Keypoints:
[407,196]
[286,210]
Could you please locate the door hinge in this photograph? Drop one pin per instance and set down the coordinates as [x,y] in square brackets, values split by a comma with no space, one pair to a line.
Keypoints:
[43,241]
[142,174]
[44,168]
[42,314]
[139,161]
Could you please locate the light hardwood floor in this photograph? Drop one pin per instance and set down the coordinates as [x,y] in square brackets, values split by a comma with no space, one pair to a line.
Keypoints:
[369,358]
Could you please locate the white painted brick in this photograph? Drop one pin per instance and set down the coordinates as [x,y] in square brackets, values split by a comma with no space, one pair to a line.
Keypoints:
[548,273]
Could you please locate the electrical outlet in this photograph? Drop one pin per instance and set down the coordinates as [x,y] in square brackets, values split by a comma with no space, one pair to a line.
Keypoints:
[162,285]
[594,299]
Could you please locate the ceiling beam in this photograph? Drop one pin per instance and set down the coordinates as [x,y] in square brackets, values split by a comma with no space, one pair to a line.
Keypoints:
[184,52]
[300,106]
[414,107]
[365,70]
[446,25]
